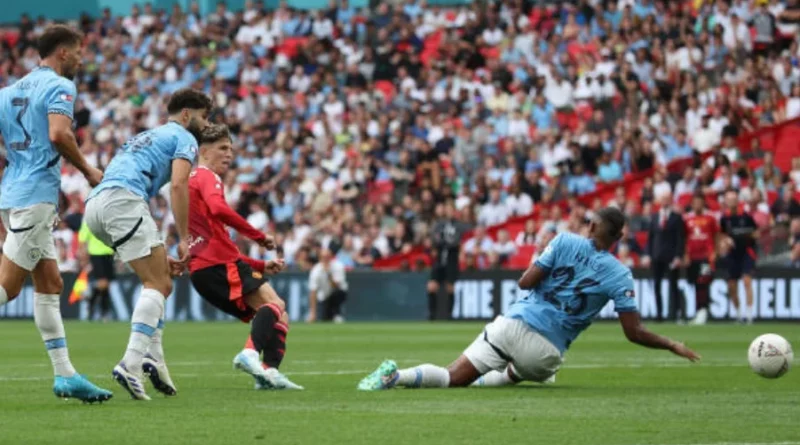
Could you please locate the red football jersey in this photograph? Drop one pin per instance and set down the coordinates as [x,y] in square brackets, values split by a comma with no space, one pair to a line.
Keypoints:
[210,243]
[700,233]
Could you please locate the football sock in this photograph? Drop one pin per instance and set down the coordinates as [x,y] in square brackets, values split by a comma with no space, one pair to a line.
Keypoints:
[432,305]
[424,376]
[105,300]
[3,296]
[156,349]
[702,296]
[47,316]
[495,378]
[451,301]
[276,348]
[144,323]
[262,326]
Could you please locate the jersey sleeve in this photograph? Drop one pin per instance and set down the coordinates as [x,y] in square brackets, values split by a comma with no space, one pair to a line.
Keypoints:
[257,265]
[622,292]
[210,187]
[547,259]
[60,98]
[187,147]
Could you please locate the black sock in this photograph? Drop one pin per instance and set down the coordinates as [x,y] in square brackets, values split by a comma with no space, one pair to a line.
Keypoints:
[93,303]
[451,301]
[432,305]
[262,326]
[276,349]
[105,300]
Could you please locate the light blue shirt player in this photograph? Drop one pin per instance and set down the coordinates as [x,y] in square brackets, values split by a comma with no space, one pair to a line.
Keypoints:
[33,174]
[581,280]
[144,163]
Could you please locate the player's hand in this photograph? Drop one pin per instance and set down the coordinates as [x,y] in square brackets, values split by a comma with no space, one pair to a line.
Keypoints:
[176,268]
[682,350]
[183,251]
[272,267]
[268,242]
[93,175]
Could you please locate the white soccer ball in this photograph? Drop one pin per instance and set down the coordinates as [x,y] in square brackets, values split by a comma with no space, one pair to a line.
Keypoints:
[770,356]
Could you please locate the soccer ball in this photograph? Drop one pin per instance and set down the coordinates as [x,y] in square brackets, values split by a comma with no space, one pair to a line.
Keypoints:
[770,356]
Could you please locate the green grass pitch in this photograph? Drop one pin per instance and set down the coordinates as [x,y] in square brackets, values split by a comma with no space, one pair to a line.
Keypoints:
[608,392]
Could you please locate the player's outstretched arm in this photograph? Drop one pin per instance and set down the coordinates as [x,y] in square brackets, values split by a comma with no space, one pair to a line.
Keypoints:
[211,191]
[636,333]
[63,139]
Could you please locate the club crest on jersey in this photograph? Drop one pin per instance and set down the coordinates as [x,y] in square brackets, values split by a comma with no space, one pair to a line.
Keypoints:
[66,97]
[630,293]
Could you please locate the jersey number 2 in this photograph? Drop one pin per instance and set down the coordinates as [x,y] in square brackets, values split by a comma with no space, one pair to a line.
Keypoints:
[566,274]
[21,102]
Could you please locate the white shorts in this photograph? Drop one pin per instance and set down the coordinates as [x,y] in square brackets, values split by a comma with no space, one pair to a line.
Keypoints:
[509,341]
[30,234]
[122,220]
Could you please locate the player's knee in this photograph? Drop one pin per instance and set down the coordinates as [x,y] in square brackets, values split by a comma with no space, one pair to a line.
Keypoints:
[433,287]
[162,285]
[450,288]
[101,284]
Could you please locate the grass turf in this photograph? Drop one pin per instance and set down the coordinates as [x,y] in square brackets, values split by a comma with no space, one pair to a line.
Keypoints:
[608,392]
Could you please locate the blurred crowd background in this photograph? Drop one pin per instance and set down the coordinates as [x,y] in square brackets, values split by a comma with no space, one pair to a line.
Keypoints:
[356,126]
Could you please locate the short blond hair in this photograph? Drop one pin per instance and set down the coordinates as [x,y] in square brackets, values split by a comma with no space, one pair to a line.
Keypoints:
[214,133]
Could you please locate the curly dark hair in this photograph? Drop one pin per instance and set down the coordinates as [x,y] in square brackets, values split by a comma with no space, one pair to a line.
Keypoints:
[55,36]
[188,98]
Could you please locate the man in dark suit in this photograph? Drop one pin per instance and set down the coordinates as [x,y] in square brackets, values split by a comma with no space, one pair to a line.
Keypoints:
[665,247]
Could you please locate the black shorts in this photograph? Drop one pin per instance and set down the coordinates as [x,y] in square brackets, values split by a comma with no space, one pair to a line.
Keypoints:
[739,265]
[102,267]
[447,273]
[225,285]
[699,272]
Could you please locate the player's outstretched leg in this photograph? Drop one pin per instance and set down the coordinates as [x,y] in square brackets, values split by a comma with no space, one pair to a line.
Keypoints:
[154,365]
[460,373]
[268,332]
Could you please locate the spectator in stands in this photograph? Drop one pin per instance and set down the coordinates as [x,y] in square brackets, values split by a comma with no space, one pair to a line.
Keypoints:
[786,208]
[504,248]
[527,237]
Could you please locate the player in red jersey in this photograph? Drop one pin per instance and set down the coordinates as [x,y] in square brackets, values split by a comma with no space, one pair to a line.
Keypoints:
[227,279]
[701,233]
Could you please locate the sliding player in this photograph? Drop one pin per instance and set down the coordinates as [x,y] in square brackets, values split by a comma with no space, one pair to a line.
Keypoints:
[36,124]
[118,214]
[227,279]
[570,283]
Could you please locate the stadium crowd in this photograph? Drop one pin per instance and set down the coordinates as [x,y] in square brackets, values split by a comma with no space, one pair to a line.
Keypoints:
[354,126]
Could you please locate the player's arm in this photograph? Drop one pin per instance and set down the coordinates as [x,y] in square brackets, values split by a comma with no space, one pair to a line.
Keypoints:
[540,268]
[532,277]
[312,296]
[635,332]
[60,109]
[211,191]
[179,196]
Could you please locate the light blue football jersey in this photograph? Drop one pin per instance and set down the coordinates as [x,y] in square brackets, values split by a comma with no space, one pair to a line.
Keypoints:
[580,282]
[144,164]
[33,174]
